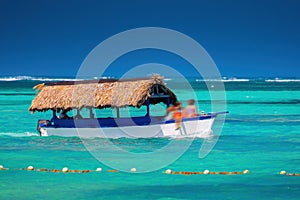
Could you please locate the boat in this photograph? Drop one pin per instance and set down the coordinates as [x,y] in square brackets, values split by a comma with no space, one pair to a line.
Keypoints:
[114,94]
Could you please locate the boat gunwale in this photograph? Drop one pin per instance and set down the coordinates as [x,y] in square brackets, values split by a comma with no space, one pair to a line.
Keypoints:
[117,122]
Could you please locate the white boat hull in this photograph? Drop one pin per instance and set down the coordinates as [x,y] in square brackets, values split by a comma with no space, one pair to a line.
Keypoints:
[194,128]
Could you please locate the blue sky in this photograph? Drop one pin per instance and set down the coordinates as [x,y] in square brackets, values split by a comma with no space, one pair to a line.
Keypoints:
[244,38]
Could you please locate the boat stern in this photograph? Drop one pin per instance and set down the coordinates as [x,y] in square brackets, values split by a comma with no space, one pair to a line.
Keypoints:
[41,127]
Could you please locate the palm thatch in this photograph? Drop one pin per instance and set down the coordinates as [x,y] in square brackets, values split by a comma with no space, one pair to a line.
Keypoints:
[100,94]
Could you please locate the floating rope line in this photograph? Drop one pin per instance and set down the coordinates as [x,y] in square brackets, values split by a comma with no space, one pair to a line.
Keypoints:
[63,170]
[133,170]
[288,174]
[2,168]
[168,171]
[112,170]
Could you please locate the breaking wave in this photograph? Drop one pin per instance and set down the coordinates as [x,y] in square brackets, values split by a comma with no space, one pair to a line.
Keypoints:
[224,80]
[25,134]
[48,79]
[282,80]
[31,78]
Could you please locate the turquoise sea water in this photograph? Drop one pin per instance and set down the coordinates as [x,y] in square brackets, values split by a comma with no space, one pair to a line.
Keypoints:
[260,134]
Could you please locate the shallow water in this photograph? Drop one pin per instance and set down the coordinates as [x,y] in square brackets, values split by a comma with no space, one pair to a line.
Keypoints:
[260,134]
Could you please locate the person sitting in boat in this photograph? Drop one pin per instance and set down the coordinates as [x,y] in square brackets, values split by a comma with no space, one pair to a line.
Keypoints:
[63,115]
[175,109]
[190,110]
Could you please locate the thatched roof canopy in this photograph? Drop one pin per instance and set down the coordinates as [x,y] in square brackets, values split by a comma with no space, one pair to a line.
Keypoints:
[100,94]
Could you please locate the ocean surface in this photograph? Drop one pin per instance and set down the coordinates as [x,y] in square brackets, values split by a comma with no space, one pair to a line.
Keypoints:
[261,133]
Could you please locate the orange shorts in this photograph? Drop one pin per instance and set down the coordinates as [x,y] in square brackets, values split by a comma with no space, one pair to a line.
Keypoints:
[177,115]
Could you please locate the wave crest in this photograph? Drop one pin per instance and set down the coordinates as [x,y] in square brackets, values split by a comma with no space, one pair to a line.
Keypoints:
[31,78]
[224,80]
[282,80]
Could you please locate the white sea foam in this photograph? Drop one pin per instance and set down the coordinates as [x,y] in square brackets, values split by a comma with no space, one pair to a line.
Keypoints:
[55,79]
[26,134]
[30,78]
[15,78]
[236,80]
[224,80]
[282,80]
[47,79]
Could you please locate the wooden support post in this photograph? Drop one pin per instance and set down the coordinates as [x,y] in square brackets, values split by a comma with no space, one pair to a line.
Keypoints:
[118,112]
[91,113]
[156,87]
[54,114]
[168,102]
[148,107]
[54,117]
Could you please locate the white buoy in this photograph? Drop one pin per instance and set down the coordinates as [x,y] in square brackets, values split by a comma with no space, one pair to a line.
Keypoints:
[168,171]
[206,171]
[246,171]
[30,168]
[99,169]
[282,172]
[133,169]
[1,167]
[65,169]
